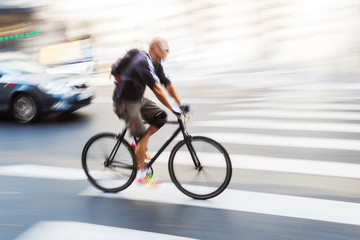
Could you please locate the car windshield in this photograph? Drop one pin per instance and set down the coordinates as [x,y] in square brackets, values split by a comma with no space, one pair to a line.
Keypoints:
[22,67]
[21,63]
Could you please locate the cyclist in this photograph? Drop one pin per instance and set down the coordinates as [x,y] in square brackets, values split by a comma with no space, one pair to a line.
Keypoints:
[145,69]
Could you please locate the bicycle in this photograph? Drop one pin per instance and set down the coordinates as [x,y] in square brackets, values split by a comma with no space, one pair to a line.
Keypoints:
[198,166]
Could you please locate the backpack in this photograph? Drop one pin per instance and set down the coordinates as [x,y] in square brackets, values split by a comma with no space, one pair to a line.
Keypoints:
[118,67]
[126,84]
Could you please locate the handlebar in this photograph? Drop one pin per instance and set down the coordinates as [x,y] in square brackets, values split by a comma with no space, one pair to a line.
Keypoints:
[185,108]
[182,110]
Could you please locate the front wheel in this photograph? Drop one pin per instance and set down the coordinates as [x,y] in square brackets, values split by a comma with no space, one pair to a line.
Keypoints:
[109,176]
[203,175]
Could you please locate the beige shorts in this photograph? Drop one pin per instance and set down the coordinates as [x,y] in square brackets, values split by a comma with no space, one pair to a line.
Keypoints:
[135,113]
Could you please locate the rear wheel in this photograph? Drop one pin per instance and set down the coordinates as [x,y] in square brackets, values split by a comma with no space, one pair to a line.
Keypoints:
[109,177]
[25,109]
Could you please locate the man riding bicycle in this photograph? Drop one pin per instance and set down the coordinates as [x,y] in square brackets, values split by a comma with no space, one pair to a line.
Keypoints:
[144,69]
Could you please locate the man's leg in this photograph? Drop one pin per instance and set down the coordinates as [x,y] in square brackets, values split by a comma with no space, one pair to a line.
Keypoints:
[131,112]
[156,118]
[140,149]
[159,119]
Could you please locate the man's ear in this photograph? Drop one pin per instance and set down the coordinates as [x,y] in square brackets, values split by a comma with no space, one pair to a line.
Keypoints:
[157,49]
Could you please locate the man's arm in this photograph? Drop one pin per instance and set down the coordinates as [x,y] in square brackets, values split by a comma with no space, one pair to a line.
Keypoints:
[168,85]
[173,93]
[159,93]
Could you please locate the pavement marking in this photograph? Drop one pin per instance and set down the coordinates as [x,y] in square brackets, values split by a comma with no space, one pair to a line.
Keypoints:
[102,99]
[60,230]
[297,105]
[298,166]
[289,165]
[40,171]
[283,141]
[299,114]
[246,201]
[239,161]
[281,125]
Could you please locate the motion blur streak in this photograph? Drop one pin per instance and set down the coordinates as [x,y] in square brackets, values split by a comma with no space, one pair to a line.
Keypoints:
[296,40]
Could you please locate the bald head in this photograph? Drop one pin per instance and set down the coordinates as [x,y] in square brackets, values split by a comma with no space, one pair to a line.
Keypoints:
[159,42]
[158,49]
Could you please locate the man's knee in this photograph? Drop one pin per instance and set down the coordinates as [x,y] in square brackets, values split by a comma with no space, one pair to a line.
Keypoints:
[159,119]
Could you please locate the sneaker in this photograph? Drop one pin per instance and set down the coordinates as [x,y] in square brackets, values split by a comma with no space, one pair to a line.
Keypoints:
[140,180]
[140,175]
[133,145]
[150,180]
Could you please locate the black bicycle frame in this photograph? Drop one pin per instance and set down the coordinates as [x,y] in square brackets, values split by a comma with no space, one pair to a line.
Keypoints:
[187,139]
[162,148]
[181,128]
[120,138]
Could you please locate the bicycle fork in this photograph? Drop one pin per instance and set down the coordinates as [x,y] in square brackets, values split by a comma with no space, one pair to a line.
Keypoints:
[197,163]
[188,139]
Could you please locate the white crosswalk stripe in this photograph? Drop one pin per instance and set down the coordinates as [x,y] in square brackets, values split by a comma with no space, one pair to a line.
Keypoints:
[281,141]
[296,105]
[299,114]
[38,171]
[78,230]
[289,165]
[281,125]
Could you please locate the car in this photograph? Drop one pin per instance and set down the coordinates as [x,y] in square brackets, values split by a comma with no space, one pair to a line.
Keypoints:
[27,92]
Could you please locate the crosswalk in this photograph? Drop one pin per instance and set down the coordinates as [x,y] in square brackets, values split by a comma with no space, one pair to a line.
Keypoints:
[326,210]
[324,121]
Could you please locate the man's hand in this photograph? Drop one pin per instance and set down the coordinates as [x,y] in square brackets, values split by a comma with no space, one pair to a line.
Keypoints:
[177,110]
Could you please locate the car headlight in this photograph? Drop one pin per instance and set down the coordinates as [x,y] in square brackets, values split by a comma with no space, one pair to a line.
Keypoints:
[56,88]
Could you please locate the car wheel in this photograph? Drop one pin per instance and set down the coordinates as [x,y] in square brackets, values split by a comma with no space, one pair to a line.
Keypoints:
[25,109]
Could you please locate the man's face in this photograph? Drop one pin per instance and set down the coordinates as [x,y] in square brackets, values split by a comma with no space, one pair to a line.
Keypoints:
[163,50]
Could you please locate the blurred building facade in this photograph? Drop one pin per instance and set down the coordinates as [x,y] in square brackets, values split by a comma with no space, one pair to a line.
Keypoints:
[15,22]
[207,37]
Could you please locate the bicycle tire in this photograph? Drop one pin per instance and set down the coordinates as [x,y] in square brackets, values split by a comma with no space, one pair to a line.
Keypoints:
[121,172]
[204,183]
